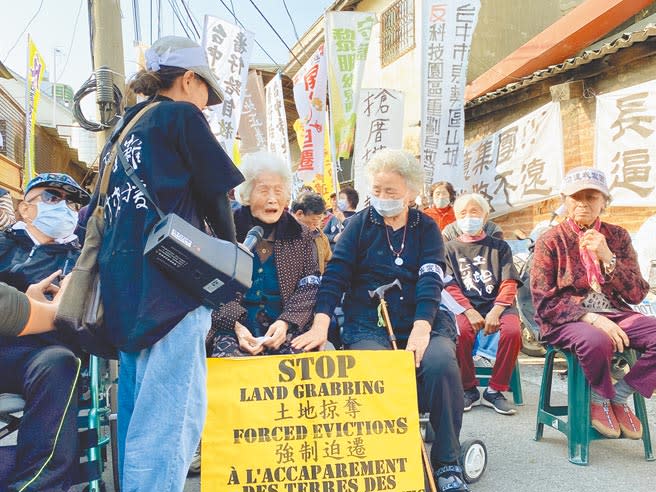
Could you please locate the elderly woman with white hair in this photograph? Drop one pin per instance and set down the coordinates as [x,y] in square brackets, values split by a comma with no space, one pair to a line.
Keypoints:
[484,284]
[279,304]
[384,242]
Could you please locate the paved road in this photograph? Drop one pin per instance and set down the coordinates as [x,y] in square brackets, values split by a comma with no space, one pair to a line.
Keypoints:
[519,464]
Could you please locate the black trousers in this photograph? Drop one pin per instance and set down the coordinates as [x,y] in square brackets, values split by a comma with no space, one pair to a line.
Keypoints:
[439,389]
[46,376]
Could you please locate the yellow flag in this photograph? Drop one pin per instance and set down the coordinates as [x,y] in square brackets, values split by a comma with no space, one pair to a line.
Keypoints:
[236,155]
[35,68]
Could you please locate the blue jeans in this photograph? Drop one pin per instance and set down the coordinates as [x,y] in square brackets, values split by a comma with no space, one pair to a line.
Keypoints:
[162,405]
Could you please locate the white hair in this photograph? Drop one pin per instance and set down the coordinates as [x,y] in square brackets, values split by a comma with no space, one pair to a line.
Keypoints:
[399,162]
[463,200]
[257,163]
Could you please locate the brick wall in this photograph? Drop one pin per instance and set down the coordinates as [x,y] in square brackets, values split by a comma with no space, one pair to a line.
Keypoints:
[628,67]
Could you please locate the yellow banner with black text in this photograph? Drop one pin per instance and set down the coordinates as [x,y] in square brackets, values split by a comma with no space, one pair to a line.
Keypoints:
[336,421]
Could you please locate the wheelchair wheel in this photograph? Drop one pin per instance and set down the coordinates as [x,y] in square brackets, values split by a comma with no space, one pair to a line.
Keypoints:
[473,459]
[101,488]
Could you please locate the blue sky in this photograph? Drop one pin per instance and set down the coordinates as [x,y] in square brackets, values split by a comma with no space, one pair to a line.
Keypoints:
[55,28]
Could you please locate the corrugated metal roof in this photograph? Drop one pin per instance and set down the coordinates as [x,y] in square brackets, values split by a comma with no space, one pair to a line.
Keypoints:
[625,40]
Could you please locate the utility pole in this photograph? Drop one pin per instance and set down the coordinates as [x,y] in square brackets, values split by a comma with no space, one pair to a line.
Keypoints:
[54,87]
[107,44]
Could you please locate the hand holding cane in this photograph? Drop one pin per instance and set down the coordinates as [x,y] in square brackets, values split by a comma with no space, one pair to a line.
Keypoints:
[383,315]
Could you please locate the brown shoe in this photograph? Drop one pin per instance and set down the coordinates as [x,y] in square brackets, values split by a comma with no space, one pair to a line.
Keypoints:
[603,420]
[629,424]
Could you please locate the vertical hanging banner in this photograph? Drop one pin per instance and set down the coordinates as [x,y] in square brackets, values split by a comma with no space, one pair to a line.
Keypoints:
[347,44]
[310,84]
[325,421]
[379,125]
[35,69]
[625,147]
[447,29]
[228,49]
[252,126]
[277,140]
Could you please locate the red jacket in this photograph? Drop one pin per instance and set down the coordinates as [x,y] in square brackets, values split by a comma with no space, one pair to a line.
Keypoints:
[443,216]
[559,281]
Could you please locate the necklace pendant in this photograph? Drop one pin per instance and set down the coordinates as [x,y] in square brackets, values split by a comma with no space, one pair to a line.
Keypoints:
[398,261]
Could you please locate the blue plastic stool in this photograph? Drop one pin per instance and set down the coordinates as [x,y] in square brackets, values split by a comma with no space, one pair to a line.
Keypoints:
[483,374]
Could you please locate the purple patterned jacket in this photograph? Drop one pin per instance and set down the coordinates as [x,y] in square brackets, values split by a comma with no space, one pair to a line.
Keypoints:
[559,281]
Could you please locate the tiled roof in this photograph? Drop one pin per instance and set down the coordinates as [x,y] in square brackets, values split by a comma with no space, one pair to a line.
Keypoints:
[595,52]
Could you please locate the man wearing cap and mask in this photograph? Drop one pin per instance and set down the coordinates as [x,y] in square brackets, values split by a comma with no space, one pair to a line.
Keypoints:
[584,277]
[158,328]
[43,368]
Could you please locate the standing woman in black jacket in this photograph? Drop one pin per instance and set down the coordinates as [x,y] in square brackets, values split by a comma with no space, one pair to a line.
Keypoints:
[158,327]
[389,241]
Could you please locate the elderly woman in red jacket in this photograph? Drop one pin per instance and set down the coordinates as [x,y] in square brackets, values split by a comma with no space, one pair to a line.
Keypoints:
[584,276]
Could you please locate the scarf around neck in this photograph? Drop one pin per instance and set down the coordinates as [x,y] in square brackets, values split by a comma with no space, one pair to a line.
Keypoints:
[589,258]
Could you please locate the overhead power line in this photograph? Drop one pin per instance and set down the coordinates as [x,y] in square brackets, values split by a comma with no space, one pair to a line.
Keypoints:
[70,46]
[244,27]
[23,31]
[177,16]
[275,31]
[234,14]
[191,18]
[291,19]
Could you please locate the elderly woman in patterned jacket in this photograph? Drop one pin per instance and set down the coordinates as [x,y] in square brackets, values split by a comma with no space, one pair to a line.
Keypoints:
[280,302]
[584,276]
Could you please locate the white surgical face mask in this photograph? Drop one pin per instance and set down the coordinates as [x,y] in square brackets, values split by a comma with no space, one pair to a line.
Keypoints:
[342,205]
[56,221]
[441,202]
[388,207]
[470,225]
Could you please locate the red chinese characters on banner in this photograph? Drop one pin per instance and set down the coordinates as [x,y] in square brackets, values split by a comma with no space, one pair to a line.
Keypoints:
[307,155]
[310,86]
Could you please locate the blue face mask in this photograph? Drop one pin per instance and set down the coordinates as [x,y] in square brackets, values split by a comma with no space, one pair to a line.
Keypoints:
[470,225]
[388,207]
[55,220]
[342,205]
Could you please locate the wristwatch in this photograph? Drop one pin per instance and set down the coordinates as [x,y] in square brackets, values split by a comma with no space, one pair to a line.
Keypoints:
[610,266]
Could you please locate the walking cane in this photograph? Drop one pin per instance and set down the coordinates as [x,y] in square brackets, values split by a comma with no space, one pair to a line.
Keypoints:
[384,314]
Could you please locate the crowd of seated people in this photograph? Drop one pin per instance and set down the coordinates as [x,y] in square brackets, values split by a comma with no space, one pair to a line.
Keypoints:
[584,277]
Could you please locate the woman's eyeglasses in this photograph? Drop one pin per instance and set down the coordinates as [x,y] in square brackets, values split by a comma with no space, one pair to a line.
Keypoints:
[53,196]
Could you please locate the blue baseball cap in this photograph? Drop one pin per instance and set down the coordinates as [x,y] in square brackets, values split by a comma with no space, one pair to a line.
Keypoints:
[60,181]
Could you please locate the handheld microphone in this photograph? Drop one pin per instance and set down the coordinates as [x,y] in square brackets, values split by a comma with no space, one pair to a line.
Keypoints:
[252,237]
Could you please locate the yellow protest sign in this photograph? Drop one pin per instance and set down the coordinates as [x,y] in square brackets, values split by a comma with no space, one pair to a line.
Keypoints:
[334,421]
